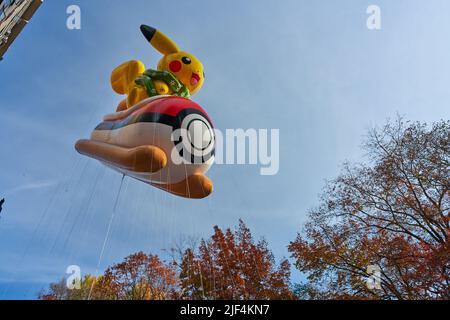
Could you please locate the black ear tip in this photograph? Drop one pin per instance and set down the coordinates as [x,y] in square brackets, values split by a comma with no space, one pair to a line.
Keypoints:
[148,32]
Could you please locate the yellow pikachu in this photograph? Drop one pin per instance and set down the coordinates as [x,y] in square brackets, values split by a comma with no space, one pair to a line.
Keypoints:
[179,73]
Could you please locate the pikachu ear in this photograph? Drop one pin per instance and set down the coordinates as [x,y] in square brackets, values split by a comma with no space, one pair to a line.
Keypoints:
[159,40]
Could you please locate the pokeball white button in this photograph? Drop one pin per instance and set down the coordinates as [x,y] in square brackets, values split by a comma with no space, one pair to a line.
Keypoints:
[199,134]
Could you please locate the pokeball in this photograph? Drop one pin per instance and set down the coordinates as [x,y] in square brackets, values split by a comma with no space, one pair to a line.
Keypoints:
[177,126]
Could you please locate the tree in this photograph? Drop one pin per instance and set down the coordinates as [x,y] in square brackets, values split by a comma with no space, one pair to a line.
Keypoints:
[231,265]
[138,277]
[391,213]
[60,291]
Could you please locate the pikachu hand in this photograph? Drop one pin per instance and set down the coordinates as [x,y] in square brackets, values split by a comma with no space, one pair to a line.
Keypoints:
[138,93]
[161,87]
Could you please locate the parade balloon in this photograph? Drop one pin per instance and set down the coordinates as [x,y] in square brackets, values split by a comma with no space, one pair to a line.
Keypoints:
[165,141]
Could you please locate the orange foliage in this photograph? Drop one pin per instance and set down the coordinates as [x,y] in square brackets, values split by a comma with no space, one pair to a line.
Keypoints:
[393,214]
[231,265]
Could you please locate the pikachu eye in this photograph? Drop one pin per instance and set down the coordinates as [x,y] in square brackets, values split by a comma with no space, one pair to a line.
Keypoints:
[186,60]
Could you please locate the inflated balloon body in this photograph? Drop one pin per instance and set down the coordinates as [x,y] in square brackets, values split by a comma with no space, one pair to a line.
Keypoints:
[165,140]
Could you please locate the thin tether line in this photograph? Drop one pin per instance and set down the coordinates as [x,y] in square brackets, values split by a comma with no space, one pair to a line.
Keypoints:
[106,237]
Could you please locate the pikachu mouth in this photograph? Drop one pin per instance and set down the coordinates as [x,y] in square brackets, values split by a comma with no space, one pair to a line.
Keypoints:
[195,78]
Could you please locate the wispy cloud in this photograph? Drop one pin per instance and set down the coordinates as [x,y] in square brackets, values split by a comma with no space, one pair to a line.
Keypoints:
[30,186]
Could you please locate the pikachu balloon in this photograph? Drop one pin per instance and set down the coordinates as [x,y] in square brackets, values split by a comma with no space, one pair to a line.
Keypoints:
[157,134]
[175,66]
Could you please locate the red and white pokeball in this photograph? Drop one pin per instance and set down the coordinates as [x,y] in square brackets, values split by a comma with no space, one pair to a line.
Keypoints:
[179,126]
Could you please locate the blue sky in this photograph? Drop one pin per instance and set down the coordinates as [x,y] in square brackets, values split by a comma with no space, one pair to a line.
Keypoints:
[309,68]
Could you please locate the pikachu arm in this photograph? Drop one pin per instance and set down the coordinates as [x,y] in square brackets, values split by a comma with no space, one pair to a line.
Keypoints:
[138,92]
[123,77]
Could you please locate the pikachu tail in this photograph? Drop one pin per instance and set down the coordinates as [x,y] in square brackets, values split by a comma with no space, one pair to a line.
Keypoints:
[123,77]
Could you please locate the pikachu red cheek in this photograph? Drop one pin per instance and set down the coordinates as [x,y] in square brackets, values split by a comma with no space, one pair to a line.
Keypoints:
[175,66]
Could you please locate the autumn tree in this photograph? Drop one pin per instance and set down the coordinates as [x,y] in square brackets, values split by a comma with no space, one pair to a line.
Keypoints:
[230,265]
[391,213]
[139,277]
[61,291]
